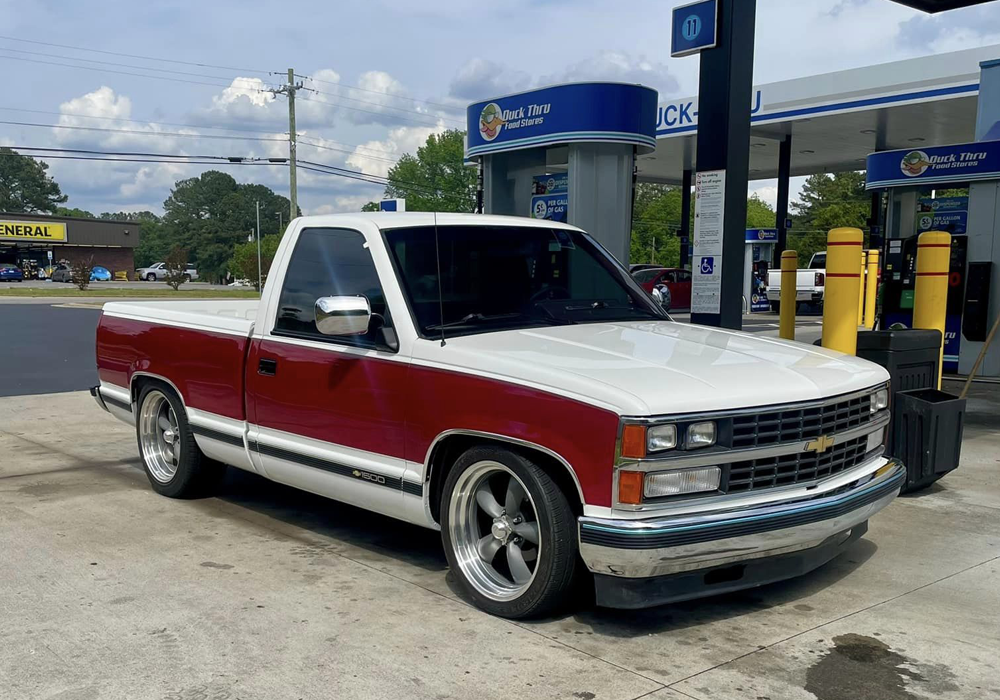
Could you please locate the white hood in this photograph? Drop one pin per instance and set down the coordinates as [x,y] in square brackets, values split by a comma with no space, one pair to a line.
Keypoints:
[652,368]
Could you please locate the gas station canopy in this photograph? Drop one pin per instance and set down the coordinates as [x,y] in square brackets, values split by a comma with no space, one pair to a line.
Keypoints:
[836,119]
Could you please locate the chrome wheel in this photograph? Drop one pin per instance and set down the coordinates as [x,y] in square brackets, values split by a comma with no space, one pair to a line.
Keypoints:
[159,437]
[494,531]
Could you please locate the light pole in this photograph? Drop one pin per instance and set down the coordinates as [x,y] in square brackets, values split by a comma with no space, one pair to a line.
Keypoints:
[279,224]
[260,284]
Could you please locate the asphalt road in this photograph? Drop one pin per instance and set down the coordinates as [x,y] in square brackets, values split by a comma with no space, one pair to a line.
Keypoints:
[46,349]
[49,348]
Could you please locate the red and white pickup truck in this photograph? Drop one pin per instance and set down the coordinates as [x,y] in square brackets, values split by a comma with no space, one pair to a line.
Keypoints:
[506,381]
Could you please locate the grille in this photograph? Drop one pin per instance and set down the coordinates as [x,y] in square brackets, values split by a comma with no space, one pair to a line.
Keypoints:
[791,424]
[767,472]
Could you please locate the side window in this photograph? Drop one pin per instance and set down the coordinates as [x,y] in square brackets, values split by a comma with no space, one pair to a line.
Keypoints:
[330,263]
[683,276]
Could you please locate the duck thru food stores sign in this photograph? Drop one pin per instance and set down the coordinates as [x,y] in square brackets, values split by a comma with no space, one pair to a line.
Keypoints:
[33,231]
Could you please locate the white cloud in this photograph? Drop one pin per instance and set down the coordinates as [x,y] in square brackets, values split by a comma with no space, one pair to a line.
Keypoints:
[481,78]
[618,66]
[375,157]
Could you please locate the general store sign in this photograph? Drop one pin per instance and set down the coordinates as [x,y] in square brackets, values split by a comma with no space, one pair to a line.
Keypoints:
[33,231]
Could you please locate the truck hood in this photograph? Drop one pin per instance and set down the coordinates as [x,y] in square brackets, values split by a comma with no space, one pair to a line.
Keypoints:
[651,368]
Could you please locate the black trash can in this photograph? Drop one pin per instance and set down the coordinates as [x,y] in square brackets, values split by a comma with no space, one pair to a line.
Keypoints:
[911,356]
[927,434]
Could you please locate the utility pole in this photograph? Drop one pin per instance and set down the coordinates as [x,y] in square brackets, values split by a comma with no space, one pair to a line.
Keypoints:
[289,89]
[260,284]
[280,230]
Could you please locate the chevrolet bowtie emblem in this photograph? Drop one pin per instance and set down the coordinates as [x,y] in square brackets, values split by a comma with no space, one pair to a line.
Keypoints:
[820,444]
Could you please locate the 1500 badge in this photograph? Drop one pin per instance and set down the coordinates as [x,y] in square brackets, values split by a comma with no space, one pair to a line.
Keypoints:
[368,476]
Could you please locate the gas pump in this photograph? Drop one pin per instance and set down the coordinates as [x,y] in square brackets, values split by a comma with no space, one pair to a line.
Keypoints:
[757,256]
[899,280]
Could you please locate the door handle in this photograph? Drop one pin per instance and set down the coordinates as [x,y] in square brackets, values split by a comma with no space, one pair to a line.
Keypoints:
[267,367]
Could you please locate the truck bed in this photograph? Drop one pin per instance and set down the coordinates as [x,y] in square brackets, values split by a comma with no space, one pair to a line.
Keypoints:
[198,346]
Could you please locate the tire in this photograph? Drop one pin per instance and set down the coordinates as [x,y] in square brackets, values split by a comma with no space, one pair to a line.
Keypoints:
[776,307]
[187,278]
[151,277]
[487,549]
[174,464]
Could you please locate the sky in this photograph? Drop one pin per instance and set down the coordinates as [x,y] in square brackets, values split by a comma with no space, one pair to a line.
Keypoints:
[380,76]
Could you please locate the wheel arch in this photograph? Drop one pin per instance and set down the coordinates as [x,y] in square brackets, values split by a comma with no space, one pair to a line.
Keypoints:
[140,379]
[448,445]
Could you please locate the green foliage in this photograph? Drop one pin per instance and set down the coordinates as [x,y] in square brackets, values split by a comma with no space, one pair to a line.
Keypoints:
[656,221]
[436,178]
[80,272]
[78,213]
[211,214]
[24,186]
[243,264]
[176,265]
[370,206]
[826,202]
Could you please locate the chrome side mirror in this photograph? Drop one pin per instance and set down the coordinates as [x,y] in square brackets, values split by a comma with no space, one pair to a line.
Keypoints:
[657,295]
[343,315]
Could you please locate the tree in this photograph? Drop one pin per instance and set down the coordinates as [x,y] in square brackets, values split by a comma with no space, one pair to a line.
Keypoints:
[80,272]
[243,264]
[656,221]
[212,213]
[24,186]
[74,212]
[370,206]
[436,178]
[826,202]
[176,265]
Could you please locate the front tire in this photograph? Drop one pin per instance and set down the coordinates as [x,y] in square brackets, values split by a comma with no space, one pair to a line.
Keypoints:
[509,533]
[174,464]
[151,277]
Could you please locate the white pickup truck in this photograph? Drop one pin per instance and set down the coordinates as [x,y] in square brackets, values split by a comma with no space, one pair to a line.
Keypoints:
[810,283]
[506,381]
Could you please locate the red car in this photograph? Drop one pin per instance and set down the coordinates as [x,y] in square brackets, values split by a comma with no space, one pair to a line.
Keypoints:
[678,281]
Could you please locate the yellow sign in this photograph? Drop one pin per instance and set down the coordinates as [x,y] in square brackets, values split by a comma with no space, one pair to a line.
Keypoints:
[33,231]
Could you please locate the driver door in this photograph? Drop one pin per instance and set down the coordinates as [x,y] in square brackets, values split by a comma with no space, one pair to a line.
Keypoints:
[327,411]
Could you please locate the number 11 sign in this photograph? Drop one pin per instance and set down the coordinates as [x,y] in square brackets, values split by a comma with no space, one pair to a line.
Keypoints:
[695,27]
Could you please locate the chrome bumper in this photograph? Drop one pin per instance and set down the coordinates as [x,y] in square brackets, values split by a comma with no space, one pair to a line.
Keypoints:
[95,391]
[668,546]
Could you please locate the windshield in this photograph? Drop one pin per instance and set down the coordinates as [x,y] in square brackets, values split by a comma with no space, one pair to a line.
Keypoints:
[501,277]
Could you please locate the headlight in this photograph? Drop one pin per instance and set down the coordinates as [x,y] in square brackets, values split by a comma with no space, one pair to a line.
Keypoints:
[675,483]
[661,437]
[700,435]
[879,401]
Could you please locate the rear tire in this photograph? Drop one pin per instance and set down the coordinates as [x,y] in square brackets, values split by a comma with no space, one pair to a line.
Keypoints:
[174,464]
[509,533]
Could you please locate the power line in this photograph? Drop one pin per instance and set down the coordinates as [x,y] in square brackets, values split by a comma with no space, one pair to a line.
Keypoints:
[121,72]
[379,104]
[376,92]
[344,150]
[368,111]
[174,134]
[137,121]
[126,65]
[130,55]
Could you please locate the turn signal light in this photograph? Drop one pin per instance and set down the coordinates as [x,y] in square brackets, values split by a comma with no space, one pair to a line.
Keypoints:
[634,441]
[630,487]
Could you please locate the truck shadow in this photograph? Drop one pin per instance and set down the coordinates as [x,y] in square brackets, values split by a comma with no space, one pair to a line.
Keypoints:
[338,521]
[384,537]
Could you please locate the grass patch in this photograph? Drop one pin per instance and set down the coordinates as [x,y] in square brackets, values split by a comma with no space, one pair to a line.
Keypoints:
[105,292]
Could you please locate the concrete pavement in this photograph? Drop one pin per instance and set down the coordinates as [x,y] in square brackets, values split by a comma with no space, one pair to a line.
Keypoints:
[109,591]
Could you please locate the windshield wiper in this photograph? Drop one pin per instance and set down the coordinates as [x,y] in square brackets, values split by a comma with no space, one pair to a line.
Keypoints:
[470,318]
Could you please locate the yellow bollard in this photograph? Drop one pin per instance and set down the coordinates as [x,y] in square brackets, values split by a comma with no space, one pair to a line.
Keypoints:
[930,297]
[871,289]
[786,319]
[843,287]
[861,294]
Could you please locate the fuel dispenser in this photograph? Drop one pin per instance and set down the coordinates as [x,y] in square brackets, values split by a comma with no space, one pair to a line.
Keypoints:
[899,280]
[758,253]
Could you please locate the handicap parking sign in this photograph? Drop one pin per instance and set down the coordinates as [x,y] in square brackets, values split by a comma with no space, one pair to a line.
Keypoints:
[707,265]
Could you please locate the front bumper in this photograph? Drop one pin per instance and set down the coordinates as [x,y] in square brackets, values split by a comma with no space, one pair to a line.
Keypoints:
[623,552]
